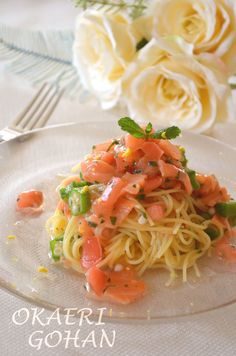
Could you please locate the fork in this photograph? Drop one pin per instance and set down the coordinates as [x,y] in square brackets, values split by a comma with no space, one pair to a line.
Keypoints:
[36,114]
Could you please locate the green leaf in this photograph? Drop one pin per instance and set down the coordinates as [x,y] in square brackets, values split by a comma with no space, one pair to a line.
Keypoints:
[130,126]
[141,43]
[167,134]
[53,243]
[193,180]
[148,129]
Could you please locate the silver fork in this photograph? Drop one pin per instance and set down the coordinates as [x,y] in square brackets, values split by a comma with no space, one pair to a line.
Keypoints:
[35,114]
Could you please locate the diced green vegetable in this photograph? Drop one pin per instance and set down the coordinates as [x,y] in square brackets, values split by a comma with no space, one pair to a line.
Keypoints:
[152,163]
[92,224]
[79,201]
[205,215]
[227,210]
[141,43]
[74,202]
[212,232]
[184,159]
[193,180]
[85,200]
[113,220]
[65,192]
[55,246]
[141,196]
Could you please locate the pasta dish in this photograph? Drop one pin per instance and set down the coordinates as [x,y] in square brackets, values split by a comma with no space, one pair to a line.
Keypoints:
[132,205]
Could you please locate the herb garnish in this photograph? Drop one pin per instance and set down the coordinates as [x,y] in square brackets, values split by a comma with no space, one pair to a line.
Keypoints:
[113,220]
[130,126]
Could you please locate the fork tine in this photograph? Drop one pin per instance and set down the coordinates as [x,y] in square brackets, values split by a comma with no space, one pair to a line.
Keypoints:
[29,117]
[43,120]
[41,108]
[18,119]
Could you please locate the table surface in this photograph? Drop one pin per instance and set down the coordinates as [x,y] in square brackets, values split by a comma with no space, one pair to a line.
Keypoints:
[209,334]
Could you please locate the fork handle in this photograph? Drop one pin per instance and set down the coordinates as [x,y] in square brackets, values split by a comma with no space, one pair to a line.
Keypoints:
[7,134]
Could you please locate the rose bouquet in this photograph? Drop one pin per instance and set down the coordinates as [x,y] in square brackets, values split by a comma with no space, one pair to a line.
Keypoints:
[170,65]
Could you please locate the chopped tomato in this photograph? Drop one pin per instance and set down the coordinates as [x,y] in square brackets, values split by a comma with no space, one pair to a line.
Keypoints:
[92,252]
[133,142]
[152,184]
[210,191]
[112,191]
[103,146]
[156,212]
[124,287]
[97,171]
[168,170]
[104,205]
[31,200]
[120,287]
[134,182]
[122,209]
[152,151]
[64,208]
[97,280]
[170,150]
[184,178]
[226,249]
[147,166]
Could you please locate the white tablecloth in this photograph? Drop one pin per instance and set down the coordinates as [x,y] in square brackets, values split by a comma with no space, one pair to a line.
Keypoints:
[208,334]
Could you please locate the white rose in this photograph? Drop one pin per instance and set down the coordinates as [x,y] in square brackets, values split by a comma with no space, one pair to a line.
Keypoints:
[210,25]
[103,48]
[169,87]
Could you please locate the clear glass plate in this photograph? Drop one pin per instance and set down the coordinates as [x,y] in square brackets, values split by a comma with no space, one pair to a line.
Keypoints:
[35,163]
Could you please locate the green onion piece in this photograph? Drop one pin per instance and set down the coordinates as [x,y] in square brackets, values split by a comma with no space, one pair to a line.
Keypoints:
[92,224]
[227,210]
[74,202]
[141,196]
[85,200]
[113,220]
[212,232]
[152,163]
[193,180]
[65,192]
[53,244]
[79,184]
[81,175]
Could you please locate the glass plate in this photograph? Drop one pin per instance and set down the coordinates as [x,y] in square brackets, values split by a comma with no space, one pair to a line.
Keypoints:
[35,163]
